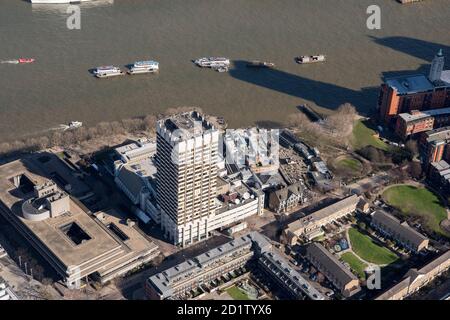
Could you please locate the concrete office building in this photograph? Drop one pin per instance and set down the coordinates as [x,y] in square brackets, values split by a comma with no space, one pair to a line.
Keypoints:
[254,148]
[186,162]
[136,151]
[402,233]
[6,293]
[73,241]
[177,281]
[238,203]
[416,279]
[135,175]
[309,225]
[191,198]
[333,269]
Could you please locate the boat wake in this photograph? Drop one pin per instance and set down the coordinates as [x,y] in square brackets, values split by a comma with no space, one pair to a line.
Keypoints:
[63,127]
[20,60]
[9,61]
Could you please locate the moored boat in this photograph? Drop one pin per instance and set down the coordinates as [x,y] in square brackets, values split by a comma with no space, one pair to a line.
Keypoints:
[212,62]
[310,59]
[140,67]
[75,124]
[107,71]
[221,69]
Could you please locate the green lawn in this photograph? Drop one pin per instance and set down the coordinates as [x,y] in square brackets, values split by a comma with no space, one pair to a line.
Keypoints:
[350,164]
[413,201]
[355,263]
[368,250]
[237,294]
[363,136]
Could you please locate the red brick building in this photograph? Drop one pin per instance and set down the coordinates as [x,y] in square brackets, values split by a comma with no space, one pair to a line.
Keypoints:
[415,122]
[405,94]
[415,92]
[435,145]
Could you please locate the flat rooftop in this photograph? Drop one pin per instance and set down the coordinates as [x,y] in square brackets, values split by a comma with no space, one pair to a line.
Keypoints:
[137,149]
[73,238]
[409,117]
[445,77]
[165,280]
[242,193]
[186,125]
[441,165]
[438,134]
[191,122]
[49,231]
[53,167]
[410,84]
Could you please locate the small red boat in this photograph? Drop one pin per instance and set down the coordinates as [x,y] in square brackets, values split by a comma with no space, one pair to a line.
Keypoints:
[26,60]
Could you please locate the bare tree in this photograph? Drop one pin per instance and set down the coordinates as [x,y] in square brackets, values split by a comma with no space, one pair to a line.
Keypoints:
[117,127]
[298,120]
[132,125]
[5,148]
[92,133]
[103,128]
[149,122]
[341,121]
[43,142]
[56,139]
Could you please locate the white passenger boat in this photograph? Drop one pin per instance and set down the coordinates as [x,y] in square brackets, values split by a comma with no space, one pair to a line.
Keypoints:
[144,67]
[106,72]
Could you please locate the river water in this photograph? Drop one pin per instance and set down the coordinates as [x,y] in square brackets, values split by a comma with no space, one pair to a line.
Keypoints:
[58,87]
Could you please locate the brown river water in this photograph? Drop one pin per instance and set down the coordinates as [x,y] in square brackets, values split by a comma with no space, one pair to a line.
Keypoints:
[58,87]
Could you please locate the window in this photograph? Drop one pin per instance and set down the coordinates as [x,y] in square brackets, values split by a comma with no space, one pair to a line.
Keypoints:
[74,232]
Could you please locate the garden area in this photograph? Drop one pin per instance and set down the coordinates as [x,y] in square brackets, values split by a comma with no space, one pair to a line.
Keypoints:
[347,166]
[418,202]
[363,136]
[237,293]
[364,247]
[355,263]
